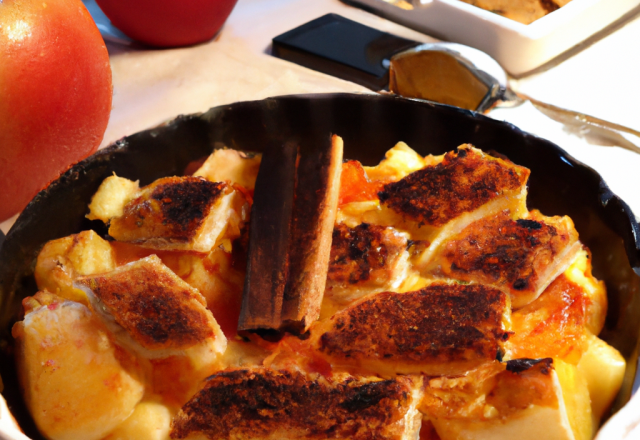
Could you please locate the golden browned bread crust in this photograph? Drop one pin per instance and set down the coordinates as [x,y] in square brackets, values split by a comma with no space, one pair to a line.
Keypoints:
[357,253]
[441,329]
[172,208]
[517,256]
[262,403]
[509,387]
[465,180]
[156,308]
[525,382]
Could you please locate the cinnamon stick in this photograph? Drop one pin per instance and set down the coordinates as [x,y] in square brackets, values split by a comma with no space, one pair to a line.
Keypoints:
[315,209]
[292,218]
[269,240]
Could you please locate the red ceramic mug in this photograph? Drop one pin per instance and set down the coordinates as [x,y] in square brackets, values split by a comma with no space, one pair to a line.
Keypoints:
[168,23]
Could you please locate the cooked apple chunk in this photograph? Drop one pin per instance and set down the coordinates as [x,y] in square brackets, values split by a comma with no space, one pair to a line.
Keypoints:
[63,260]
[520,257]
[398,162]
[149,421]
[108,202]
[154,312]
[603,368]
[220,282]
[179,213]
[76,382]
[226,165]
[443,329]
[264,404]
[365,259]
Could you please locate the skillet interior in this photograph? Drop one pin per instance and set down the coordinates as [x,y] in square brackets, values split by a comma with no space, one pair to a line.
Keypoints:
[369,125]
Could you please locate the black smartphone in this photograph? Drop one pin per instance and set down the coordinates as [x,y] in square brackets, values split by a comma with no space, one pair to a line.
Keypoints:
[344,48]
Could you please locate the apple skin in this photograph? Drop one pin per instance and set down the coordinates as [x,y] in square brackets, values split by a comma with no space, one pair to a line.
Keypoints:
[55,94]
[168,23]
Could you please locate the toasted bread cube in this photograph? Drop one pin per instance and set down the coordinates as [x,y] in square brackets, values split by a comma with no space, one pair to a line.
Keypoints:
[264,404]
[442,329]
[463,181]
[154,312]
[435,197]
[215,275]
[226,165]
[520,257]
[528,400]
[74,379]
[444,197]
[180,213]
[61,261]
[365,259]
[112,195]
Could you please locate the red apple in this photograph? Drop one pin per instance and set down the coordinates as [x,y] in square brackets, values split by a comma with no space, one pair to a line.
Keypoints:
[55,94]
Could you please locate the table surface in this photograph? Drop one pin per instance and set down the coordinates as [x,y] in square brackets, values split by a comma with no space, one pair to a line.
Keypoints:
[151,86]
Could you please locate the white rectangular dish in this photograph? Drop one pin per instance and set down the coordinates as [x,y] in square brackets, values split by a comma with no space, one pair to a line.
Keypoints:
[519,48]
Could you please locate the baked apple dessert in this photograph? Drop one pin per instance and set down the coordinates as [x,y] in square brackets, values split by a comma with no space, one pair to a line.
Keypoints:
[294,295]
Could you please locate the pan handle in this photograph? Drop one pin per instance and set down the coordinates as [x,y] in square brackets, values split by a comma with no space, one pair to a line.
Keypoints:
[343,48]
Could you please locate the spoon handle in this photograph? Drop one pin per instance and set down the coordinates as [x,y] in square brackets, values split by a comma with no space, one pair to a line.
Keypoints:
[595,129]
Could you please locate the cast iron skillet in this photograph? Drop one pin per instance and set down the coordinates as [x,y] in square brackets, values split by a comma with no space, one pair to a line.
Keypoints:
[369,125]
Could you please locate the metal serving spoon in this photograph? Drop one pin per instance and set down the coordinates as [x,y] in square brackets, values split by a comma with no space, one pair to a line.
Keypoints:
[460,75]
[446,73]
